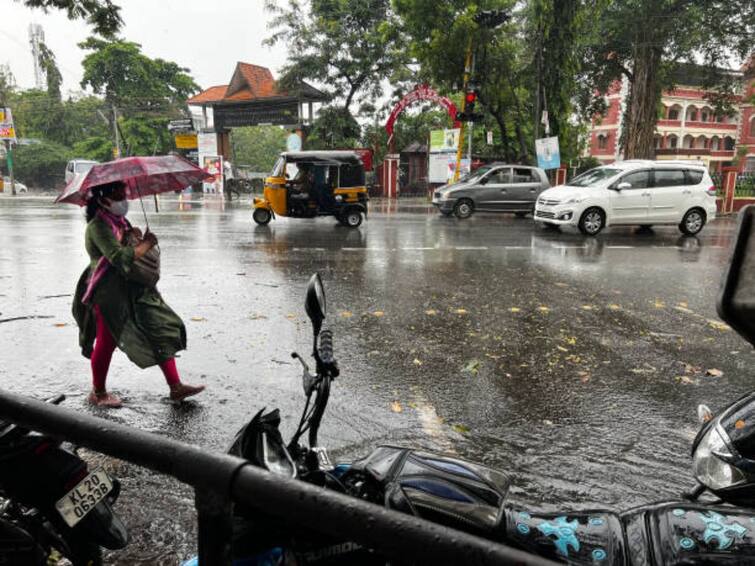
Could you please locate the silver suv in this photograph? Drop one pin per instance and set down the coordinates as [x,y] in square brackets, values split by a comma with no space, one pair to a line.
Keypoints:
[497,187]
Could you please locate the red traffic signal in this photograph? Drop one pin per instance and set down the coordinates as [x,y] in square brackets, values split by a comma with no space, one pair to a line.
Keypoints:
[471,97]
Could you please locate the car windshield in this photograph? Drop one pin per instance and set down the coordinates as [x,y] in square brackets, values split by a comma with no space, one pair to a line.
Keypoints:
[593,177]
[476,174]
[278,168]
[83,167]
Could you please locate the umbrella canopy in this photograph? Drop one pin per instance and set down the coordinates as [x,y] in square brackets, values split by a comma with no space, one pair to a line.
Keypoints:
[142,175]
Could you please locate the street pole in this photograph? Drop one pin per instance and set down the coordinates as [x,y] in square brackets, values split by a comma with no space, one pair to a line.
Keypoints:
[115,130]
[9,161]
[467,73]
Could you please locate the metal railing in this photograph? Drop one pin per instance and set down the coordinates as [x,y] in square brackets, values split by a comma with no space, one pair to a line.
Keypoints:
[219,479]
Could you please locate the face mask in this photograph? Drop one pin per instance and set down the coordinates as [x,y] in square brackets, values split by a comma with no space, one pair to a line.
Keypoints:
[118,207]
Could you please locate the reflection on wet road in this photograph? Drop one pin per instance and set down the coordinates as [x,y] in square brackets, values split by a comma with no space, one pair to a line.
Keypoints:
[575,364]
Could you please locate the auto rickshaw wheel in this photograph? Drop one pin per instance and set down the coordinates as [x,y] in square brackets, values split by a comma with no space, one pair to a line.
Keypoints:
[351,218]
[262,216]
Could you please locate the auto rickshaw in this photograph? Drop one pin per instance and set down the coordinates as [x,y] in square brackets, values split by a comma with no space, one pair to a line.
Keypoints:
[307,184]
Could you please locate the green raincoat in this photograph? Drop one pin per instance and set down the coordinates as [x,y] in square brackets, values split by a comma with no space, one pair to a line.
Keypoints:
[143,325]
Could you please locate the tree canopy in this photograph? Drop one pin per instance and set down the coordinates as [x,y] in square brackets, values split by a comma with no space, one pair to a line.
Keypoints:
[102,15]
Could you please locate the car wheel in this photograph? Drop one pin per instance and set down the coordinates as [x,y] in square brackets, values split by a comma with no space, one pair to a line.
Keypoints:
[692,222]
[262,216]
[521,213]
[464,208]
[592,221]
[351,218]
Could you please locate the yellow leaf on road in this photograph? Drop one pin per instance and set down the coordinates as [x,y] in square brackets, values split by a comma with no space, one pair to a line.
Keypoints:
[562,348]
[460,428]
[396,407]
[543,309]
[346,314]
[713,372]
[198,318]
[60,324]
[587,307]
[659,304]
[460,311]
[719,325]
[378,313]
[431,312]
[515,309]
[417,362]
[614,307]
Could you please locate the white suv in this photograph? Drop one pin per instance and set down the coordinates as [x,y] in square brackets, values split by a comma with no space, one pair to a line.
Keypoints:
[632,192]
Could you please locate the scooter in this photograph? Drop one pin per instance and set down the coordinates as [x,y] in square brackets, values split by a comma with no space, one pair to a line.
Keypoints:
[472,497]
[51,506]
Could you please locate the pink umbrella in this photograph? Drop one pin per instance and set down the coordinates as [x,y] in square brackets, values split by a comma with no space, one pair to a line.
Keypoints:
[142,175]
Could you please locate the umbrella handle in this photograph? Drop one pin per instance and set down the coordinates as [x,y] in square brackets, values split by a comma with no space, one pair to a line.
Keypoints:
[138,192]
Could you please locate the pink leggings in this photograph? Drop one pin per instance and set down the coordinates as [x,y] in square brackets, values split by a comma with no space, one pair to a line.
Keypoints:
[105,345]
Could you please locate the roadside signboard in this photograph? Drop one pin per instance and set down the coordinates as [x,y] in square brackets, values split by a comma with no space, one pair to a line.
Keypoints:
[548,155]
[441,167]
[293,142]
[213,164]
[7,131]
[186,141]
[442,141]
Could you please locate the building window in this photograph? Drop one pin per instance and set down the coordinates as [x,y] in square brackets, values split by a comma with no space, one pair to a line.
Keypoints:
[752,127]
[673,114]
[715,143]
[701,143]
[689,142]
[657,141]
[602,141]
[750,164]
[728,143]
[672,141]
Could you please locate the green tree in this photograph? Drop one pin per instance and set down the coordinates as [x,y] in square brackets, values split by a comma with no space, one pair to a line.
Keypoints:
[257,147]
[334,128]
[145,93]
[349,46]
[642,40]
[41,164]
[103,15]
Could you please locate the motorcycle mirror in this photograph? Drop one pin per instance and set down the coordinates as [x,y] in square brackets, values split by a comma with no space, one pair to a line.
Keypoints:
[315,303]
[704,414]
[736,300]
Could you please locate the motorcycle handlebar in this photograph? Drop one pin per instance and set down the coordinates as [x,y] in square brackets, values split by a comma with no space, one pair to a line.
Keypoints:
[325,348]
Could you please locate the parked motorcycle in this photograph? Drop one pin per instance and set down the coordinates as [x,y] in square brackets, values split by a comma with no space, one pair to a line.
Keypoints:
[51,506]
[472,497]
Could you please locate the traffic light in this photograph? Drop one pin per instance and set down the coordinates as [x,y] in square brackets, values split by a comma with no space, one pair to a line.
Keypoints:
[469,115]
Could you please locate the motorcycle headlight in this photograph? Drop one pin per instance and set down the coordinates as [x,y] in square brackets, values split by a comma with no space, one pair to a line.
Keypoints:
[709,465]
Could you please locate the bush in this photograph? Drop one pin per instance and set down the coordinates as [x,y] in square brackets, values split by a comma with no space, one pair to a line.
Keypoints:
[41,165]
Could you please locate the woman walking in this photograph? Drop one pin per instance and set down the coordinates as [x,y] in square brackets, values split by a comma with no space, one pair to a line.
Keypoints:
[113,311]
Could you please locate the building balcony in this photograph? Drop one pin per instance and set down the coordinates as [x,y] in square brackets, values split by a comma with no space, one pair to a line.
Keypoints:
[715,126]
[695,152]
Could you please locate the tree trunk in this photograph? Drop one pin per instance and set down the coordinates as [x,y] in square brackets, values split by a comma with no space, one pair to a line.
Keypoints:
[643,105]
[504,135]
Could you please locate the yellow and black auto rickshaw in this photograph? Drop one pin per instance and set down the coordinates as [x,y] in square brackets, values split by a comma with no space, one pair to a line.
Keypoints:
[307,184]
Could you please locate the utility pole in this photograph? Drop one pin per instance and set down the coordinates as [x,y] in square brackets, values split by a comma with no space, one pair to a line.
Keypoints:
[467,73]
[9,161]
[115,130]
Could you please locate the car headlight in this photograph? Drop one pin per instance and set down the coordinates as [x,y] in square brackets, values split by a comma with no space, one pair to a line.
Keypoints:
[574,200]
[708,463]
[339,198]
[448,196]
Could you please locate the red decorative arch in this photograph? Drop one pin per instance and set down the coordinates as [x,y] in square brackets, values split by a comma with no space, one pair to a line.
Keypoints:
[420,93]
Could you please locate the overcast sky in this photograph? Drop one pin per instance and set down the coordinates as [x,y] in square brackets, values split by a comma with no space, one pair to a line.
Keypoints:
[206,36]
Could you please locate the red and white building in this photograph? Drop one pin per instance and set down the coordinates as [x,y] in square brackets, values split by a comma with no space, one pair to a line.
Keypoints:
[688,128]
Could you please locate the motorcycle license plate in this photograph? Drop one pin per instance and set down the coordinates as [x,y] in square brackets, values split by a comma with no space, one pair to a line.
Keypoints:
[77,503]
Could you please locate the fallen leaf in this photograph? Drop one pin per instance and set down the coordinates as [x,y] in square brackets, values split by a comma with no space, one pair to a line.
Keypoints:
[543,309]
[378,313]
[584,376]
[559,284]
[198,318]
[60,324]
[257,317]
[431,312]
[571,340]
[290,316]
[587,307]
[713,372]
[684,379]
[682,304]
[719,325]
[460,311]
[659,304]
[417,362]
[473,367]
[346,314]
[396,407]
[515,309]
[460,428]
[614,307]
[562,348]
[546,422]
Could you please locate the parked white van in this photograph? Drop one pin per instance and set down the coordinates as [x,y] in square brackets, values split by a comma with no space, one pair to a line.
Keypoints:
[78,167]
[637,192]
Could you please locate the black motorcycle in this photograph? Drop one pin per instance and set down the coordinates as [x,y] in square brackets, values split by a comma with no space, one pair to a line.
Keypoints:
[472,497]
[51,506]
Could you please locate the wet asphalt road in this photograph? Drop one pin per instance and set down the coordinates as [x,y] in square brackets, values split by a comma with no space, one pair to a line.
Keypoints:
[575,364]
